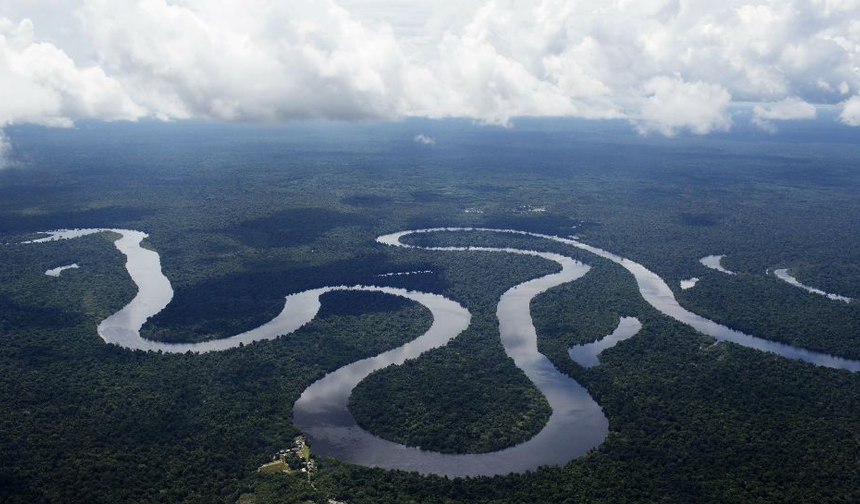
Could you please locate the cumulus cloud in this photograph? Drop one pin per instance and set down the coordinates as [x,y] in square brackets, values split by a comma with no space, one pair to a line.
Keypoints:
[40,84]
[669,105]
[851,111]
[788,109]
[666,66]
[249,60]
[424,140]
[597,59]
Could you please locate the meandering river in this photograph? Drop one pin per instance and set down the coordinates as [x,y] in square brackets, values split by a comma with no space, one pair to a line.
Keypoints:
[576,425]
[658,294]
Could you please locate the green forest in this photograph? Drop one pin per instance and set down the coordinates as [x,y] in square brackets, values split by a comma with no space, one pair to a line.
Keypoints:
[244,216]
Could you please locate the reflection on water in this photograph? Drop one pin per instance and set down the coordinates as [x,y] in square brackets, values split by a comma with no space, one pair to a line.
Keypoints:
[587,355]
[715,263]
[56,272]
[689,284]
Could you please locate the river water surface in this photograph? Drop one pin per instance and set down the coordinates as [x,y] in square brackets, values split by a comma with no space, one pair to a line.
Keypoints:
[587,355]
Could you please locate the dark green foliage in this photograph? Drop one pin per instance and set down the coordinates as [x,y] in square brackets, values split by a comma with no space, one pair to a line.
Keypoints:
[108,217]
[429,196]
[698,219]
[841,280]
[366,200]
[585,311]
[771,308]
[102,424]
[291,228]
[238,302]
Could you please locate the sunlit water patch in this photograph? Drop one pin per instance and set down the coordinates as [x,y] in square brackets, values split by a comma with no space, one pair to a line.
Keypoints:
[784,275]
[588,355]
[56,272]
[689,284]
[715,262]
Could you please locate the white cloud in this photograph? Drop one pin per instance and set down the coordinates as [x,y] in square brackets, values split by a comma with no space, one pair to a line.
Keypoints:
[851,111]
[40,84]
[424,140]
[788,109]
[666,66]
[669,105]
[785,110]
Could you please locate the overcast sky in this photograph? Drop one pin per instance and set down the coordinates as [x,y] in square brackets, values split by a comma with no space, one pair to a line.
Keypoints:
[666,66]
